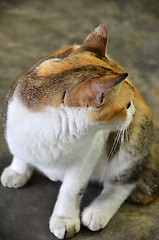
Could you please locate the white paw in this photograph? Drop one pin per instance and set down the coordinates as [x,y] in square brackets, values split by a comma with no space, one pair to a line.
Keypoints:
[64,227]
[12,179]
[94,218]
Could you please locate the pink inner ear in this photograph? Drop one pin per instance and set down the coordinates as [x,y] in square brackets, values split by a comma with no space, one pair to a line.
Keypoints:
[104,84]
[96,42]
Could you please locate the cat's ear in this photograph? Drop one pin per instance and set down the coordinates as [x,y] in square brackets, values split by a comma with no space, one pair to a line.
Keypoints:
[92,91]
[96,42]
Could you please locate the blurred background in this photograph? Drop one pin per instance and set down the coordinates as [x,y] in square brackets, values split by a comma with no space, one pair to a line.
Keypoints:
[32,29]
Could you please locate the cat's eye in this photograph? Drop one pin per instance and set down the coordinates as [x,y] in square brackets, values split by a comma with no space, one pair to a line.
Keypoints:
[128,105]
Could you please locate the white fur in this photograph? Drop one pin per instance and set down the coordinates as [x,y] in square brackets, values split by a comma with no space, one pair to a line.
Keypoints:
[65,145]
[50,60]
[98,214]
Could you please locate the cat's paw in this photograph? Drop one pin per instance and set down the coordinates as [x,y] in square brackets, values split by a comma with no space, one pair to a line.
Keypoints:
[64,227]
[12,179]
[94,218]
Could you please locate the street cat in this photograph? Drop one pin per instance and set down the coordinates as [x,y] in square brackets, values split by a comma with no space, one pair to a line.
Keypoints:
[76,116]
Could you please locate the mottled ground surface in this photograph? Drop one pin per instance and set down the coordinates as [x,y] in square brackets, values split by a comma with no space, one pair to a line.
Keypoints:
[30,30]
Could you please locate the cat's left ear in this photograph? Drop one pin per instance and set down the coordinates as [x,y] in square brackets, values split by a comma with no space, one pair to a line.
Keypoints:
[91,92]
[96,42]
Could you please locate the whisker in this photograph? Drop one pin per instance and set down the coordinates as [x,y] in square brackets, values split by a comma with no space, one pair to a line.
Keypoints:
[121,143]
[133,61]
[126,134]
[110,155]
[121,149]
[114,146]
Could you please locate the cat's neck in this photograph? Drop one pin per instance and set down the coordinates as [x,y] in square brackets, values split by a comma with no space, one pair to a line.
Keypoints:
[70,124]
[62,124]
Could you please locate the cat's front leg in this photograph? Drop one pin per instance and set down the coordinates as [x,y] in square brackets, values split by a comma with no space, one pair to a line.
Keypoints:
[17,174]
[98,214]
[65,220]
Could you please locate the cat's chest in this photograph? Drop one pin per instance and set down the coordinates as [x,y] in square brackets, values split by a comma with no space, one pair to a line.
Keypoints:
[47,137]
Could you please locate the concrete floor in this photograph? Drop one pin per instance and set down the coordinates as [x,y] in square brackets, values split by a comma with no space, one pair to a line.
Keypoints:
[30,30]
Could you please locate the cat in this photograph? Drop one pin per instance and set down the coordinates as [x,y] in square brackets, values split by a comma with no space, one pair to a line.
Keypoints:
[76,117]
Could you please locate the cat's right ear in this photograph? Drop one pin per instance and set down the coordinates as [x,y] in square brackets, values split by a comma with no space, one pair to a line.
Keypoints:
[96,42]
[91,92]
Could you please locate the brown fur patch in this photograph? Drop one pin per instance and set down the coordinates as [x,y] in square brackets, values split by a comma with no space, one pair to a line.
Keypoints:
[147,187]
[96,42]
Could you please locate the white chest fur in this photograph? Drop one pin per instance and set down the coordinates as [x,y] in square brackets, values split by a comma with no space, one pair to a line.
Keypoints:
[52,138]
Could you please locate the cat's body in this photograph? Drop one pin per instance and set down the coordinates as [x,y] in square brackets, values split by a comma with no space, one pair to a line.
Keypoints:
[71,118]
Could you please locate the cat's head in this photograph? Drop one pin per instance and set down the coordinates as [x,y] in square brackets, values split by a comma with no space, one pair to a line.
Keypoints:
[84,77]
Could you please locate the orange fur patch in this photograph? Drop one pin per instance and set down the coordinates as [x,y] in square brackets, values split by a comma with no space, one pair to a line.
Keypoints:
[114,106]
[62,51]
[72,62]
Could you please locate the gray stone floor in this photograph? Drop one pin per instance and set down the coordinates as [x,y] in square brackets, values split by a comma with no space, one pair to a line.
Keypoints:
[30,30]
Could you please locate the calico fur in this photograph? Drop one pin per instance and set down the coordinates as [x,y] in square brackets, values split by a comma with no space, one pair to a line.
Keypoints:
[76,116]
